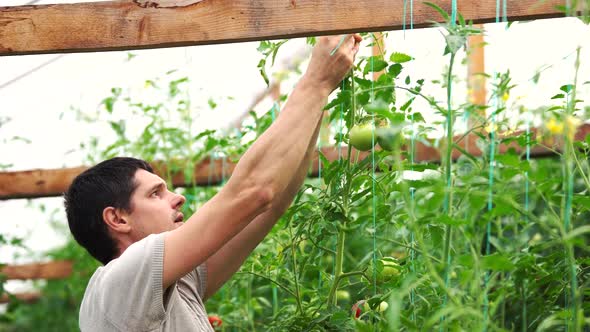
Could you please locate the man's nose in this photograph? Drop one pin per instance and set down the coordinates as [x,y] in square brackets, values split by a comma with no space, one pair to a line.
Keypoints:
[178,201]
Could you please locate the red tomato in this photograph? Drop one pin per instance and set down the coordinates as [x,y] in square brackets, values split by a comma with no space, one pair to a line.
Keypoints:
[215,321]
[356,308]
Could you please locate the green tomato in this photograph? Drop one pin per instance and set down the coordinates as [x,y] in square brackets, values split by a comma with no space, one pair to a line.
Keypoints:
[342,295]
[361,137]
[387,269]
[388,137]
[381,308]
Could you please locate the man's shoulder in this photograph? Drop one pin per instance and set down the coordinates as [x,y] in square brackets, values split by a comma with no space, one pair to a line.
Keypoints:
[127,287]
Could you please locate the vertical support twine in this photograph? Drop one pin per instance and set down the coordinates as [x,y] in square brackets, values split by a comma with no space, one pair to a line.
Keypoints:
[567,13]
[571,299]
[320,181]
[373,182]
[491,176]
[343,88]
[526,216]
[275,293]
[569,169]
[412,152]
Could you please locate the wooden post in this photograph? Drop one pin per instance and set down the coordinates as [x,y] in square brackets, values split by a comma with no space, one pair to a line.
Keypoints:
[378,49]
[476,81]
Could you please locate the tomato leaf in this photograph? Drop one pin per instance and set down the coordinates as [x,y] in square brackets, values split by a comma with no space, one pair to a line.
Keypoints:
[400,57]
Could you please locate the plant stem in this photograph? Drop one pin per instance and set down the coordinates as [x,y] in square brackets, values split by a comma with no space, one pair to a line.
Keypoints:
[448,161]
[341,231]
[338,272]
[294,262]
[281,286]
[524,319]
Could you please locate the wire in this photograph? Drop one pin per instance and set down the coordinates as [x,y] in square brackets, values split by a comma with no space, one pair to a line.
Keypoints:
[491,176]
[30,71]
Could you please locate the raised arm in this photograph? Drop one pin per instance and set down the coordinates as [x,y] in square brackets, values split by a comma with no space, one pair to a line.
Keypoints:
[266,169]
[224,263]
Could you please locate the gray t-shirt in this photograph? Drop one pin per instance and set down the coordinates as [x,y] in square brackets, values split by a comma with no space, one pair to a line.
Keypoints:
[127,295]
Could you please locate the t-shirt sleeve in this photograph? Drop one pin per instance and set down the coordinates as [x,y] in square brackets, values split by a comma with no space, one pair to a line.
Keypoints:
[201,279]
[131,294]
[195,283]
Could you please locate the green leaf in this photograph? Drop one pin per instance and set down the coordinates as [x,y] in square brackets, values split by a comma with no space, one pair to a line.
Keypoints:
[567,88]
[400,57]
[407,104]
[118,127]
[417,117]
[558,96]
[439,10]
[395,69]
[461,20]
[212,103]
[374,64]
[262,68]
[108,104]
[509,159]
[448,220]
[497,262]
[577,232]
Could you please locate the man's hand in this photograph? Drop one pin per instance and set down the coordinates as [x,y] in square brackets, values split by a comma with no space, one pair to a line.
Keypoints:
[332,58]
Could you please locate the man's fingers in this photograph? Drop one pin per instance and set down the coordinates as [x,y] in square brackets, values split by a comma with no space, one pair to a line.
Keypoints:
[358,38]
[355,49]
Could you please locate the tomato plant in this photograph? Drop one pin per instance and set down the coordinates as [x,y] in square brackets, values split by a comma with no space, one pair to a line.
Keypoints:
[391,242]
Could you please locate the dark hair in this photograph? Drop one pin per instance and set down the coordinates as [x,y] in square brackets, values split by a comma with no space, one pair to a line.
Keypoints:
[109,183]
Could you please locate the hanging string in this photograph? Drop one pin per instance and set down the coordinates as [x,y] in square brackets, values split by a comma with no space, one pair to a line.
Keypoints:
[320,181]
[411,14]
[374,180]
[569,184]
[412,151]
[404,18]
[497,104]
[454,13]
[275,293]
[343,88]
[526,209]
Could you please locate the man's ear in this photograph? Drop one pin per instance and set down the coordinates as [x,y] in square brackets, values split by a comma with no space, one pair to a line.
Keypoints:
[116,220]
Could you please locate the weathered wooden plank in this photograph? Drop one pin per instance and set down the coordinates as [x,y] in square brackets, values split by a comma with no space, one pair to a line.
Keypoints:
[126,25]
[28,297]
[53,182]
[50,270]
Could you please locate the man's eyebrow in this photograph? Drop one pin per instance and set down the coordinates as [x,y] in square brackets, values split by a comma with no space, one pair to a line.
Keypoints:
[157,186]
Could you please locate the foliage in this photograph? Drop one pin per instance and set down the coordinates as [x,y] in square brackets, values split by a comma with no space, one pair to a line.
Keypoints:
[486,242]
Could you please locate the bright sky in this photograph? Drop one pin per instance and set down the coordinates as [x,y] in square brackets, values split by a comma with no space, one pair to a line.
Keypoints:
[38,105]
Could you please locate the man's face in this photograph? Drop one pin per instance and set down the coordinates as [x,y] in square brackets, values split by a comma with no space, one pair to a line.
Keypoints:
[154,208]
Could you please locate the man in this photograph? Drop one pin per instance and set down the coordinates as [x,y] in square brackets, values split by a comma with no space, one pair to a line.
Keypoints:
[158,271]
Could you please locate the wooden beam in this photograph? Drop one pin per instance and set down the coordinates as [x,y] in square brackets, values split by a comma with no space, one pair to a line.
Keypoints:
[128,25]
[35,183]
[50,270]
[28,297]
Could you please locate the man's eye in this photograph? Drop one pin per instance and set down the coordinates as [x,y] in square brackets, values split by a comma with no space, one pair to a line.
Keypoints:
[155,194]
